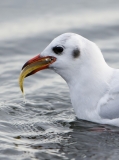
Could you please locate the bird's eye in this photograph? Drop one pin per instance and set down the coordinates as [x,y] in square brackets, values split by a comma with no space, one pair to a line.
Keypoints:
[58,49]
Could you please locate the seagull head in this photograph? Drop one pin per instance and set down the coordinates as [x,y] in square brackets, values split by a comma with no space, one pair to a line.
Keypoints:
[70,55]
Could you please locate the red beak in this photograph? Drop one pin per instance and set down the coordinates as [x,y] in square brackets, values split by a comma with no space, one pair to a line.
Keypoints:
[37,63]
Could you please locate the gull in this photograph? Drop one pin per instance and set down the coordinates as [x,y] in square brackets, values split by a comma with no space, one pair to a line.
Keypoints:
[93,85]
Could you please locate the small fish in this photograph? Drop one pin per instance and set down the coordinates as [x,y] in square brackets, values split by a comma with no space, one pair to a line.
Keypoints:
[32,67]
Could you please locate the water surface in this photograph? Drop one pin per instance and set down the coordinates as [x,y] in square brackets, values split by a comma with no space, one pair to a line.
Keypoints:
[45,127]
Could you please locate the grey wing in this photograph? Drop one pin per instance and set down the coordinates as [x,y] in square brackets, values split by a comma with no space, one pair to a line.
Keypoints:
[110,110]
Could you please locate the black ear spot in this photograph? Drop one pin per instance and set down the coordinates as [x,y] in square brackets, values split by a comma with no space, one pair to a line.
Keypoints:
[76,53]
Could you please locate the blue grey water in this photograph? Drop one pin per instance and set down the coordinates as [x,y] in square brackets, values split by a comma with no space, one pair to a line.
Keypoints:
[45,127]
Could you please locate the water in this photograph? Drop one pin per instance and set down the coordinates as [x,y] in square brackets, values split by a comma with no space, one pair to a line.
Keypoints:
[45,126]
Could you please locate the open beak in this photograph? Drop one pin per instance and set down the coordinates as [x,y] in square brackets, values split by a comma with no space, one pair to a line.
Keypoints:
[34,65]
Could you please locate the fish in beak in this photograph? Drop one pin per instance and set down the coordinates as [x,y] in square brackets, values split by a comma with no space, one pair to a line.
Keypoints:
[34,65]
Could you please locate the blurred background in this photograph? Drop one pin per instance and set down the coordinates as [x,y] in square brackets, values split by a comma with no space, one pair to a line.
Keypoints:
[45,127]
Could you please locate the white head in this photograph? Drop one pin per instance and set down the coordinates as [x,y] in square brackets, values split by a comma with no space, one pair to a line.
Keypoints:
[74,54]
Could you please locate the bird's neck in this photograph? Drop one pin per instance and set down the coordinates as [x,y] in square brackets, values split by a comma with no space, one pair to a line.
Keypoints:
[87,88]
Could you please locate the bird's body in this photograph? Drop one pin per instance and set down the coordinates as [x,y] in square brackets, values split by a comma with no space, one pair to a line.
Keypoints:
[93,85]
